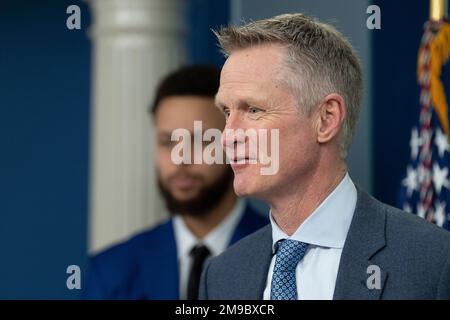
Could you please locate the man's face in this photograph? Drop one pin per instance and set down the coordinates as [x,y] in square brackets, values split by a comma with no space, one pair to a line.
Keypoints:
[184,183]
[252,97]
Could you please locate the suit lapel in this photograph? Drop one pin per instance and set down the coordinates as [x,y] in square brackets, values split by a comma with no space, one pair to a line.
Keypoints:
[254,273]
[359,275]
[162,265]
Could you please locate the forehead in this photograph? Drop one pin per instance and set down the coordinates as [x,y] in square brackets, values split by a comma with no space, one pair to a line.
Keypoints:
[251,69]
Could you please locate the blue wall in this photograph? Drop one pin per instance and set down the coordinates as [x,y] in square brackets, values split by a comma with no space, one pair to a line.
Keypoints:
[44,118]
[202,16]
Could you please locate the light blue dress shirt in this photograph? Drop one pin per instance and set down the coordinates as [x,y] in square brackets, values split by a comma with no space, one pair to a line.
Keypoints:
[325,230]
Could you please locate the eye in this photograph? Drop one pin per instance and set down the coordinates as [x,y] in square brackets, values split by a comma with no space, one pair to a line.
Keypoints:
[226,112]
[254,110]
[164,141]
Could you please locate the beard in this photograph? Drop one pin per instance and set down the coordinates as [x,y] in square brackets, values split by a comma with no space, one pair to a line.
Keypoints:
[208,197]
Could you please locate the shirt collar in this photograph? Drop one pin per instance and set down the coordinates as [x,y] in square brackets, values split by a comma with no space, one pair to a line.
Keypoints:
[216,240]
[329,223]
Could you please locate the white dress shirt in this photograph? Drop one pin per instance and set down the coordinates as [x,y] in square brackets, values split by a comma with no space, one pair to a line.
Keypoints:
[325,230]
[216,241]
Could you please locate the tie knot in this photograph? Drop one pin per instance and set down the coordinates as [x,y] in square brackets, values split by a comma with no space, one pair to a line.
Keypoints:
[289,253]
[200,252]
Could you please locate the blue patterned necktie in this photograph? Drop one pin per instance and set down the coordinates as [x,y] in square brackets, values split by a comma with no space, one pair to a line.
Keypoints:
[289,254]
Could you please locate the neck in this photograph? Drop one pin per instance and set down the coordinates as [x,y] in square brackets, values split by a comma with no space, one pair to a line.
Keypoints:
[201,226]
[290,211]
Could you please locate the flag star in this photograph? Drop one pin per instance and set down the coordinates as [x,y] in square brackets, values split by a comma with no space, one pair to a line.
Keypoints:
[415,142]
[439,213]
[440,177]
[441,142]
[421,211]
[410,181]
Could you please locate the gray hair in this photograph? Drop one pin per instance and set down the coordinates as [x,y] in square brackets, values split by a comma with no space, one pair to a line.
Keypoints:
[318,61]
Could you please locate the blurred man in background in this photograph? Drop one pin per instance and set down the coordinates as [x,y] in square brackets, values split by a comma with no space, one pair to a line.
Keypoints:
[206,215]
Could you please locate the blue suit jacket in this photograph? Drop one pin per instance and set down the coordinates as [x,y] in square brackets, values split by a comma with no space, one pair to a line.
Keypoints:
[146,267]
[413,257]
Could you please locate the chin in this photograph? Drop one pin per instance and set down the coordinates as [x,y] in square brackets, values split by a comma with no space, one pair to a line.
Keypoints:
[239,192]
[182,195]
[253,187]
[246,182]
[242,188]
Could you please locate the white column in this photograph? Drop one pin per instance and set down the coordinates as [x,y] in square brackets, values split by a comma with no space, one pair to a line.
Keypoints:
[135,43]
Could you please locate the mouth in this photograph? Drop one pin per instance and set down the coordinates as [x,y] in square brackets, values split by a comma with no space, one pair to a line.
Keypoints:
[241,162]
[240,159]
[183,182]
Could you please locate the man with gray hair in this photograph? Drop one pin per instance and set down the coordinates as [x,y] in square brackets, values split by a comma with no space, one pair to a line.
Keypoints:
[327,239]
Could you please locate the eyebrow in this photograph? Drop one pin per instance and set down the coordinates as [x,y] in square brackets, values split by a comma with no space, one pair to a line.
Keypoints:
[164,134]
[251,101]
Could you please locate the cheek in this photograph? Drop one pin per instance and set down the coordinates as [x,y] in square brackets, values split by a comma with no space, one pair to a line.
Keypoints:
[209,172]
[162,154]
[164,164]
[297,144]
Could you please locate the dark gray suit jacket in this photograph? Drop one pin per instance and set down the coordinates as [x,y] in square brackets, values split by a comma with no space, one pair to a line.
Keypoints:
[412,254]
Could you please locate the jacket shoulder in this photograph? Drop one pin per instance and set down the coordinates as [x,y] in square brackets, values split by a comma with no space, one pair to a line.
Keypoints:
[113,270]
[415,230]
[146,240]
[404,227]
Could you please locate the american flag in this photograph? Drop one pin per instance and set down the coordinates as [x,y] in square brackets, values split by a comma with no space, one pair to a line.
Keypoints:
[425,188]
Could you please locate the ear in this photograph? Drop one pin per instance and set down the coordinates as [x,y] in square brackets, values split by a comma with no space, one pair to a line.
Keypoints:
[330,117]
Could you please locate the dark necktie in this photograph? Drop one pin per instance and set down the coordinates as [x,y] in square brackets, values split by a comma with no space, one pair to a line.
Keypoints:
[199,255]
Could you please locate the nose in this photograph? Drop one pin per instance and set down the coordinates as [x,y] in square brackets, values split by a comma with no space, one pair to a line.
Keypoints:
[234,132]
